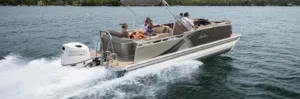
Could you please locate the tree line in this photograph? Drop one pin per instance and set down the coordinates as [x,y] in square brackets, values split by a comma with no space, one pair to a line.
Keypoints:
[64,2]
[234,2]
[171,2]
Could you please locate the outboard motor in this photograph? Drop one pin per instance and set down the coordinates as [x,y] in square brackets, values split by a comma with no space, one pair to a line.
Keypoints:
[75,54]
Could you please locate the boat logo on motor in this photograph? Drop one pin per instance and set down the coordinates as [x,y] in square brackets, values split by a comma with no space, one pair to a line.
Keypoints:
[77,52]
[203,36]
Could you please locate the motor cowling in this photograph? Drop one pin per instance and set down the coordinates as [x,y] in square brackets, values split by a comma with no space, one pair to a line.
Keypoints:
[75,54]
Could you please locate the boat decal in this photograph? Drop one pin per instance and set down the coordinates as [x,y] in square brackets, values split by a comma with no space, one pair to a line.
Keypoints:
[202,36]
[173,49]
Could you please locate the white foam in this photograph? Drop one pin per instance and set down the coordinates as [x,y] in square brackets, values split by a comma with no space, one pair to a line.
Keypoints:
[42,78]
[139,82]
[9,62]
[47,79]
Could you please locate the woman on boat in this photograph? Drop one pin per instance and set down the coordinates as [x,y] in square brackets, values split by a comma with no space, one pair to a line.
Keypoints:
[148,28]
[135,35]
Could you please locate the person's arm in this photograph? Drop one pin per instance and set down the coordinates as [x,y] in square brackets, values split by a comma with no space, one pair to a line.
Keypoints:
[126,34]
[157,25]
[193,23]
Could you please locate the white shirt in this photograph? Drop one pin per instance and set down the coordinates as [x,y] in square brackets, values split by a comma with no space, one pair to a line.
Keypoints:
[189,23]
[144,28]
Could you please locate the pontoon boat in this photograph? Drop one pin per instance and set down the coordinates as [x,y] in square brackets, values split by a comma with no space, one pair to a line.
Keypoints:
[118,53]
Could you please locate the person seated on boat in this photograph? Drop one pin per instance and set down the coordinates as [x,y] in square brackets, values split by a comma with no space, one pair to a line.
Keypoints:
[149,29]
[189,22]
[140,33]
[134,35]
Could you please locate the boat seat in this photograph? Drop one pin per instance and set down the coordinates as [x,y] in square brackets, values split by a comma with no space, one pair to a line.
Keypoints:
[121,45]
[179,27]
[116,33]
[163,29]
[160,35]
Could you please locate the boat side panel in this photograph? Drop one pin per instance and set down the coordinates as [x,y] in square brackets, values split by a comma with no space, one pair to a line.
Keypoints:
[123,47]
[185,45]
[203,36]
[149,51]
[201,52]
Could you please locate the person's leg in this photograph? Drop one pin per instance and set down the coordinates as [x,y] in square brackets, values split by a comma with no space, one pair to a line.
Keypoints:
[136,36]
[141,34]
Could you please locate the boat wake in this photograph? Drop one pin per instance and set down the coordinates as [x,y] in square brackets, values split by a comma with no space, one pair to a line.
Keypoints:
[47,79]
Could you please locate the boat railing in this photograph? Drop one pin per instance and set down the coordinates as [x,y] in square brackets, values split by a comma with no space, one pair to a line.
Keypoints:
[107,55]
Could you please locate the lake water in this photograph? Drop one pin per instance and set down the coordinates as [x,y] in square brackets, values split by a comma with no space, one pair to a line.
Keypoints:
[264,64]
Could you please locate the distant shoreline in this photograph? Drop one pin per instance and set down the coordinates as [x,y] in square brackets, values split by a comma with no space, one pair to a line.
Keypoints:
[143,6]
[171,2]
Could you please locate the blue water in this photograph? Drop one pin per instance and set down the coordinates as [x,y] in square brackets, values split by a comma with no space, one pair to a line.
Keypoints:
[264,64]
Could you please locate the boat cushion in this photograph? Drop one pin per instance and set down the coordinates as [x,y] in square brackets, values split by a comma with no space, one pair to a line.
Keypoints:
[116,33]
[180,27]
[164,29]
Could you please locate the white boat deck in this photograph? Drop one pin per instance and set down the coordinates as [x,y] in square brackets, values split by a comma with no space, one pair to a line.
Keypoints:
[114,63]
[120,63]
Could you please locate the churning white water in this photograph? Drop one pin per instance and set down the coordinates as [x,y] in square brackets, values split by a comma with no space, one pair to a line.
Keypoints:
[47,79]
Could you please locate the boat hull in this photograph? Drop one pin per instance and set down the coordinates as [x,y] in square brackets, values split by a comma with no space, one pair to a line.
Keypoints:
[198,52]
